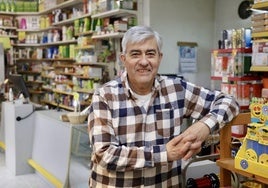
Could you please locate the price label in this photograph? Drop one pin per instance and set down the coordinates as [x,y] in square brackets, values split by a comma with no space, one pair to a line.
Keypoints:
[76,96]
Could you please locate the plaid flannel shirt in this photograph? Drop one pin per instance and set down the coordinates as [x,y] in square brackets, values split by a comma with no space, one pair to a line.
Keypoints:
[129,141]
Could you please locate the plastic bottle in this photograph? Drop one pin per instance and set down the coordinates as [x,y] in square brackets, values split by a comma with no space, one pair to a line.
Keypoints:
[13,6]
[7,6]
[3,6]
[10,95]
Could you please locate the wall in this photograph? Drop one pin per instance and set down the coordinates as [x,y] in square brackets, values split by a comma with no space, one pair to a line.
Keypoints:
[192,21]
[226,17]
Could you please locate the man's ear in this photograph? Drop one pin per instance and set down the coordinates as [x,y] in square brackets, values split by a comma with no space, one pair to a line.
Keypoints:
[123,58]
[160,56]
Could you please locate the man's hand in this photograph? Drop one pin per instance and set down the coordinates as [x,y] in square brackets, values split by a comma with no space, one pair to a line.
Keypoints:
[188,143]
[201,132]
[179,146]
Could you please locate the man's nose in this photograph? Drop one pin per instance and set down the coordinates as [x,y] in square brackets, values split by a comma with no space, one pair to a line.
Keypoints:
[144,59]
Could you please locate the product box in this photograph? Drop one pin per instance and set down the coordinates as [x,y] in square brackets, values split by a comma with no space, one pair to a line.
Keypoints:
[260,59]
[259,16]
[252,156]
[120,26]
[95,72]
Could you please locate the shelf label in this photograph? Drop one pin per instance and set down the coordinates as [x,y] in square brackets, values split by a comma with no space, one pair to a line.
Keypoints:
[224,79]
[76,96]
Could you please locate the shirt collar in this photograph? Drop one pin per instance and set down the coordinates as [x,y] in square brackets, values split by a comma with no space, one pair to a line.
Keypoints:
[156,86]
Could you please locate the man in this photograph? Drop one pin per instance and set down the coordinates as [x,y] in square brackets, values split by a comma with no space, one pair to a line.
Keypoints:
[135,120]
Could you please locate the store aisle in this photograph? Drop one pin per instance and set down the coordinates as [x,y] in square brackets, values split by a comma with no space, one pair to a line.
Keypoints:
[79,173]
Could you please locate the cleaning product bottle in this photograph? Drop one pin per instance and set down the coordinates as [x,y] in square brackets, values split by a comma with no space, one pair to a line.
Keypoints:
[10,95]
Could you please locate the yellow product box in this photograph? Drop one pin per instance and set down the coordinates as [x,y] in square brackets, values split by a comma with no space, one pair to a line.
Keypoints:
[41,6]
[252,156]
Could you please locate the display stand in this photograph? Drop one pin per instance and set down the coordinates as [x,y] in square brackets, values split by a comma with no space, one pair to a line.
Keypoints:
[2,129]
[18,137]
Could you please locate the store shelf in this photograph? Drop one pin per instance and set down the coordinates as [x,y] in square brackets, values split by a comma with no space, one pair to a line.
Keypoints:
[259,68]
[261,5]
[85,47]
[44,59]
[9,36]
[110,35]
[58,105]
[115,13]
[228,164]
[235,78]
[259,34]
[8,27]
[71,20]
[230,50]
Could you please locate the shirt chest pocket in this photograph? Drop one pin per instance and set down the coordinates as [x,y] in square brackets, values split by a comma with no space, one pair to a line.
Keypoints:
[165,123]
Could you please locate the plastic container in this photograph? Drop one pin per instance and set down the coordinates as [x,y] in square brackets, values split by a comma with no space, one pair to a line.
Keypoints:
[76,117]
[265,82]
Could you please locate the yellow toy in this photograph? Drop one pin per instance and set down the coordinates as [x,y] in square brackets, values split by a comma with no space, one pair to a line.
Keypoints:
[263,135]
[253,131]
[263,159]
[252,156]
[255,111]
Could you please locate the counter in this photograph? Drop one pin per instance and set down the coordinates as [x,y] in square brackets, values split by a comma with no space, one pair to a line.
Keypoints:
[40,142]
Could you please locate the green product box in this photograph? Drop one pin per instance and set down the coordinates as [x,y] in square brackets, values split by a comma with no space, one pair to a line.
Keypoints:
[19,6]
[71,51]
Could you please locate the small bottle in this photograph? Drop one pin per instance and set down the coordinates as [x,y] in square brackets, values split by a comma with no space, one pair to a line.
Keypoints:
[3,6]
[10,95]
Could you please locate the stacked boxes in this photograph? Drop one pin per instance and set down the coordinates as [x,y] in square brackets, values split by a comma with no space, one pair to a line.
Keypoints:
[259,22]
[260,47]
[253,154]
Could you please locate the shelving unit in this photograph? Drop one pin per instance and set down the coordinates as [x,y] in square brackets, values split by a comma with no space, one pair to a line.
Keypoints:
[231,74]
[30,52]
[226,161]
[260,37]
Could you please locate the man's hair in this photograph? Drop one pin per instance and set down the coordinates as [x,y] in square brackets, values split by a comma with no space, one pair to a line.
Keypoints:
[139,34]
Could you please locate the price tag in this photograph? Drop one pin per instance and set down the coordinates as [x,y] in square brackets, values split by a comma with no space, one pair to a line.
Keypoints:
[76,96]
[224,79]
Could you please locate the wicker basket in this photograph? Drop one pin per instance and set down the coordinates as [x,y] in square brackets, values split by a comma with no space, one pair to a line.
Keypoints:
[76,117]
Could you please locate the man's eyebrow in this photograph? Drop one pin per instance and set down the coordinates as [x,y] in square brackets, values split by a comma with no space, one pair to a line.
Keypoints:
[148,50]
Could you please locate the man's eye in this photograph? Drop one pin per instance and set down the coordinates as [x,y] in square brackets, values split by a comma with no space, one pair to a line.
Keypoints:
[152,54]
[134,54]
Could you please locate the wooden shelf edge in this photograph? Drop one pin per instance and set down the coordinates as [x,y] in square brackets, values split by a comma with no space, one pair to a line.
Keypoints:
[259,68]
[228,164]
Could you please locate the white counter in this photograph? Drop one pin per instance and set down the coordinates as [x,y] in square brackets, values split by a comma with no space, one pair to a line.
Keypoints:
[41,142]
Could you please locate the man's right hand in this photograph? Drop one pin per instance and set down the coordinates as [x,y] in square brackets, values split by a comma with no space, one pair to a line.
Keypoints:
[178,147]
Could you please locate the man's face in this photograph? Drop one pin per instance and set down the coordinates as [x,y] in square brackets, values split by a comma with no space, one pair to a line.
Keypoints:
[142,61]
